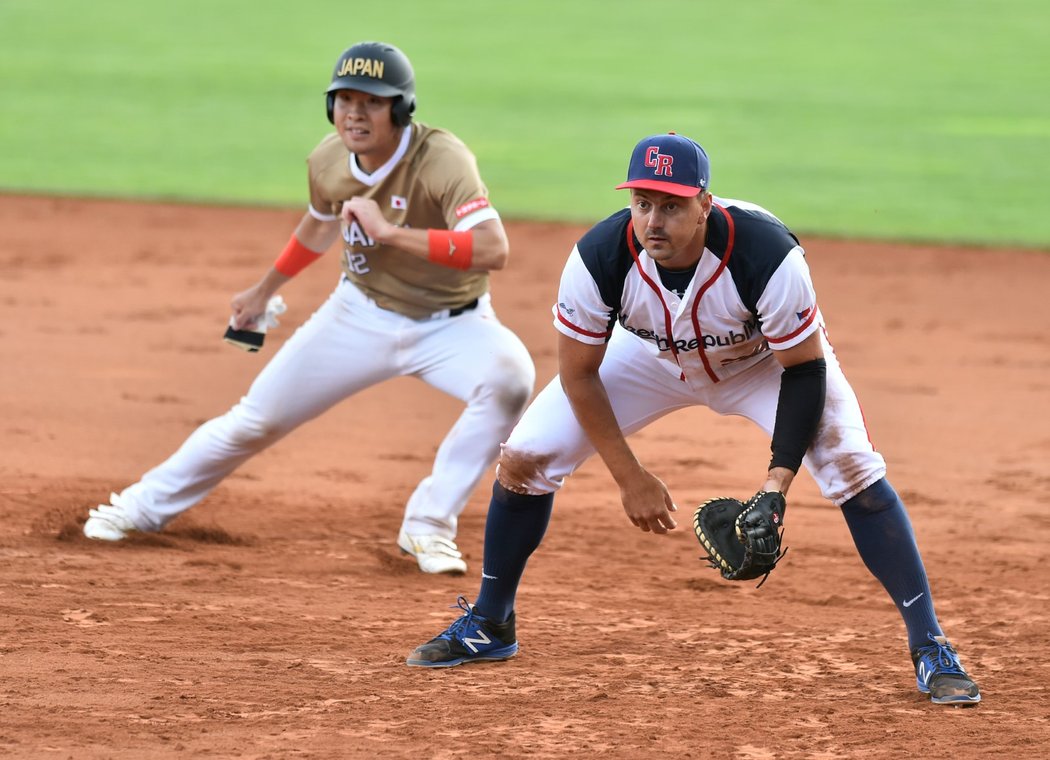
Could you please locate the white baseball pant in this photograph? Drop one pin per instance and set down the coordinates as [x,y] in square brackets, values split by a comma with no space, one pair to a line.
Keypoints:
[642,389]
[348,345]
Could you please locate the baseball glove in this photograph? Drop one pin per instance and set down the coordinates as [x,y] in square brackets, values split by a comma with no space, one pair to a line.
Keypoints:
[742,539]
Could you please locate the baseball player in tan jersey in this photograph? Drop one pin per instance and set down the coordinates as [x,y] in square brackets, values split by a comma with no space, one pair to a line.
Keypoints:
[419,239]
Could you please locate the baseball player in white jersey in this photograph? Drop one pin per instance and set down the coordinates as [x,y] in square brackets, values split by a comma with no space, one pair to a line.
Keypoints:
[686,299]
[419,239]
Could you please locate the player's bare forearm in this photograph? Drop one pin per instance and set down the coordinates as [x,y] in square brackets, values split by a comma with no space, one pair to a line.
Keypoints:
[248,305]
[489,245]
[645,498]
[490,249]
[578,365]
[778,479]
[590,404]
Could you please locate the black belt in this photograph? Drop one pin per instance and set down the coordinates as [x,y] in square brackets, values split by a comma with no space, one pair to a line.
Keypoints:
[464,308]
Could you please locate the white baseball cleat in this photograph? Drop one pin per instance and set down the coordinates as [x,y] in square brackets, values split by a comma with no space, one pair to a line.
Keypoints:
[109,522]
[435,554]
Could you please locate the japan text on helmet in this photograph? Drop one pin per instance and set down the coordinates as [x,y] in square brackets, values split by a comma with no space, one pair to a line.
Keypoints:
[378,69]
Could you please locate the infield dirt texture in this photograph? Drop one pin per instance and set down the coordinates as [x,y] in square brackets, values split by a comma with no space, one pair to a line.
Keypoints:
[272,620]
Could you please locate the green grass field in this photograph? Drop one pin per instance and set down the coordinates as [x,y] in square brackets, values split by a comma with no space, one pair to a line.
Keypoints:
[897,119]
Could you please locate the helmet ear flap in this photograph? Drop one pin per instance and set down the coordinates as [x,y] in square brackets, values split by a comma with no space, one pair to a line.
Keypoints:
[330,102]
[401,111]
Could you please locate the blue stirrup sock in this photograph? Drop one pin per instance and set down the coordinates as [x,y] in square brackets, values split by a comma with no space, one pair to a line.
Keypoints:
[885,540]
[514,528]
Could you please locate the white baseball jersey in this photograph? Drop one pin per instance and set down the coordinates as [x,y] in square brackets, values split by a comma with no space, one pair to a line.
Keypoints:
[751,289]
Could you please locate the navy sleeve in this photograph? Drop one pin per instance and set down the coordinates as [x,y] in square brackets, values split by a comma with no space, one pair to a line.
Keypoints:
[605,254]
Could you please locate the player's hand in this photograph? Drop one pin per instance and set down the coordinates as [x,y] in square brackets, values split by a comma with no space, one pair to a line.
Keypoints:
[247,306]
[366,213]
[648,503]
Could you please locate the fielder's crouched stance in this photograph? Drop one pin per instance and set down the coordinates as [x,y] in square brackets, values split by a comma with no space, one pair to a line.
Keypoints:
[419,240]
[715,307]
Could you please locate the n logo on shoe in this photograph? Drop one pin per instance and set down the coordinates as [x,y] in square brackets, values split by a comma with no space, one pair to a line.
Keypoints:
[469,642]
[924,673]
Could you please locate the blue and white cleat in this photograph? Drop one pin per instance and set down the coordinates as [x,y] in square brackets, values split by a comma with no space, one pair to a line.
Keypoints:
[472,638]
[939,673]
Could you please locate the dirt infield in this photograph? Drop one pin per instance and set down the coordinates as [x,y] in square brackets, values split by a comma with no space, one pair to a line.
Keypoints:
[273,619]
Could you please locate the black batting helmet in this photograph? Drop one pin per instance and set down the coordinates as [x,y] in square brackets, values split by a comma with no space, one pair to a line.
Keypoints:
[378,69]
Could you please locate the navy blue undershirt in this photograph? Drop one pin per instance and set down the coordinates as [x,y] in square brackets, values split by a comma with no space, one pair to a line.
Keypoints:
[677,280]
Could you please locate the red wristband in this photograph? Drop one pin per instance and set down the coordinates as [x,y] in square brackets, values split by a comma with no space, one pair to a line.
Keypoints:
[294,258]
[451,249]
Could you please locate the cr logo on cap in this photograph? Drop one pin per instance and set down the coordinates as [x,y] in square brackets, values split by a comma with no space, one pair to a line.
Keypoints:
[662,161]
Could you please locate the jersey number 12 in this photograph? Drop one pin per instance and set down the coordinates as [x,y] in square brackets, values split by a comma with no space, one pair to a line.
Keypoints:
[357,263]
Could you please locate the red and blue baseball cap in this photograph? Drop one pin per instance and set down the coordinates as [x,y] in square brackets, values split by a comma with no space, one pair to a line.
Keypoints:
[670,163]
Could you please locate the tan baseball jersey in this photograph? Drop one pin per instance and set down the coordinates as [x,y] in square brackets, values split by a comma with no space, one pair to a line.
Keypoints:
[431,182]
